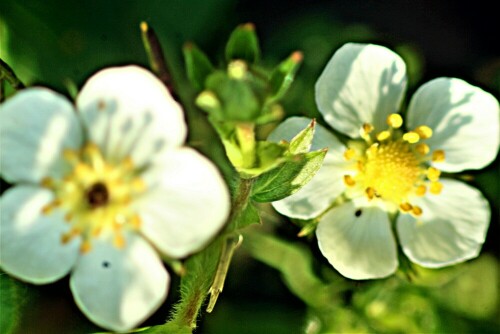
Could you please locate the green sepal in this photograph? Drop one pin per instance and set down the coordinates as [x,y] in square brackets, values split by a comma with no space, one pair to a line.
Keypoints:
[268,156]
[238,101]
[243,44]
[287,178]
[302,142]
[198,66]
[284,74]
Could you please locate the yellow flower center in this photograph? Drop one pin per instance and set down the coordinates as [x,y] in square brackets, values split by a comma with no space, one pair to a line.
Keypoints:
[393,166]
[95,196]
[391,170]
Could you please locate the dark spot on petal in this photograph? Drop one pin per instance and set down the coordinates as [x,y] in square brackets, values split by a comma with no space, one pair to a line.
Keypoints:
[358,212]
[106,264]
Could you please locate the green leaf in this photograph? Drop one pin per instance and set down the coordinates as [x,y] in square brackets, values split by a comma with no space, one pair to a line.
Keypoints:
[198,66]
[284,74]
[238,101]
[243,44]
[289,177]
[302,142]
[12,299]
[247,217]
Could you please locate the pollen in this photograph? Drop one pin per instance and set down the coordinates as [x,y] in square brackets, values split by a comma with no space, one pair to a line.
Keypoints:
[95,196]
[438,156]
[424,131]
[395,121]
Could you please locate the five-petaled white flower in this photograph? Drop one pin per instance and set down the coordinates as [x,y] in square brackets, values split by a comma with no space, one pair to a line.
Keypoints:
[98,191]
[385,176]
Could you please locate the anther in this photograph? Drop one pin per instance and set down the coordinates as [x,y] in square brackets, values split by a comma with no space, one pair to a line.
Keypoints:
[438,156]
[85,247]
[349,180]
[51,206]
[370,193]
[349,154]
[411,137]
[416,211]
[405,207]
[436,188]
[422,149]
[119,241]
[47,182]
[383,135]
[367,128]
[421,190]
[395,121]
[424,131]
[433,174]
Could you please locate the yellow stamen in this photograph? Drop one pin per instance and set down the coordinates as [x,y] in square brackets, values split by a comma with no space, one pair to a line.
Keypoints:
[51,206]
[411,137]
[349,180]
[395,121]
[367,128]
[71,156]
[85,247]
[424,131]
[436,188]
[47,182]
[370,193]
[417,211]
[438,156]
[422,149]
[349,154]
[421,190]
[119,241]
[383,135]
[433,174]
[405,206]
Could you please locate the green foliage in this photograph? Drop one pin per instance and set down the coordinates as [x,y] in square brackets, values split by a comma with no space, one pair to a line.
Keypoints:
[248,216]
[12,299]
[295,263]
[298,169]
[284,74]
[288,178]
[243,44]
[198,66]
[238,102]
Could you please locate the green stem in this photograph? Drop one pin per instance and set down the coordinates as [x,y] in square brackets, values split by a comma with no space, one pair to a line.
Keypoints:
[207,270]
[232,240]
[8,74]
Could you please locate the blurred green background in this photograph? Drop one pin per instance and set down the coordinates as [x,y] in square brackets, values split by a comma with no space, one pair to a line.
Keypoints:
[61,43]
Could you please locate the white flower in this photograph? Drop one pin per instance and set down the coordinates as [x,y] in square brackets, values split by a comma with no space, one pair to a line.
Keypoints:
[384,178]
[99,190]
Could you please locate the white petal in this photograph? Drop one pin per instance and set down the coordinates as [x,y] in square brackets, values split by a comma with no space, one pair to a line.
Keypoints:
[119,288]
[129,112]
[30,242]
[451,229]
[36,125]
[465,121]
[362,83]
[358,241]
[316,196]
[186,204]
